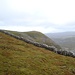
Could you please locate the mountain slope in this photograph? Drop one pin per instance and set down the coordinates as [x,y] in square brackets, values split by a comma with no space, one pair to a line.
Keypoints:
[36,37]
[20,58]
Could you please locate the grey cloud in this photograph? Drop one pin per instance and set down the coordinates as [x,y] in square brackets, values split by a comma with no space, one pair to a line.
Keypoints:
[12,18]
[71,23]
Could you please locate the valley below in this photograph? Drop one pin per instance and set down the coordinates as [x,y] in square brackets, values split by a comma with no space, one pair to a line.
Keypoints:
[65,39]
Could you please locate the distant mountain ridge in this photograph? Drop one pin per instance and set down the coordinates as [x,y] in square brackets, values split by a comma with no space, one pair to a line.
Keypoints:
[61,34]
[65,39]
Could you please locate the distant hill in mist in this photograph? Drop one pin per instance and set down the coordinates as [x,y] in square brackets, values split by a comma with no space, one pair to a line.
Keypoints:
[61,34]
[64,39]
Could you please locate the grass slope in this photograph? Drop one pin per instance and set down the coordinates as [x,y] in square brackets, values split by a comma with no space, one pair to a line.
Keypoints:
[36,37]
[20,58]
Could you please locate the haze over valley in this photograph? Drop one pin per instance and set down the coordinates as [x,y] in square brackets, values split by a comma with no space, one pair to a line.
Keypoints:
[65,39]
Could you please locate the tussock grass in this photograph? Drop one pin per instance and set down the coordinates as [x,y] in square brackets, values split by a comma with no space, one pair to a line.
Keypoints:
[20,58]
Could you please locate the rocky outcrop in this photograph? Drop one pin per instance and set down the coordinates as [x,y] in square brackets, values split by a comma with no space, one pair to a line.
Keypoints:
[51,48]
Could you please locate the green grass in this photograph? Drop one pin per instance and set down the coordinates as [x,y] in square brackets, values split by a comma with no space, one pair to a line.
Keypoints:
[20,58]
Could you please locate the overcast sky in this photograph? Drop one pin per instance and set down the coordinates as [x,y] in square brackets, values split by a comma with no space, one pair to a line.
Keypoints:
[39,15]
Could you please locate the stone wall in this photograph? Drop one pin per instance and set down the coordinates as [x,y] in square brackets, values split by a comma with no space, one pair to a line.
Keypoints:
[51,48]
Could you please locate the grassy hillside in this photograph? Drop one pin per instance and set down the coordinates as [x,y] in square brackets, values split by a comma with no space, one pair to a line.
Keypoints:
[36,37]
[20,58]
